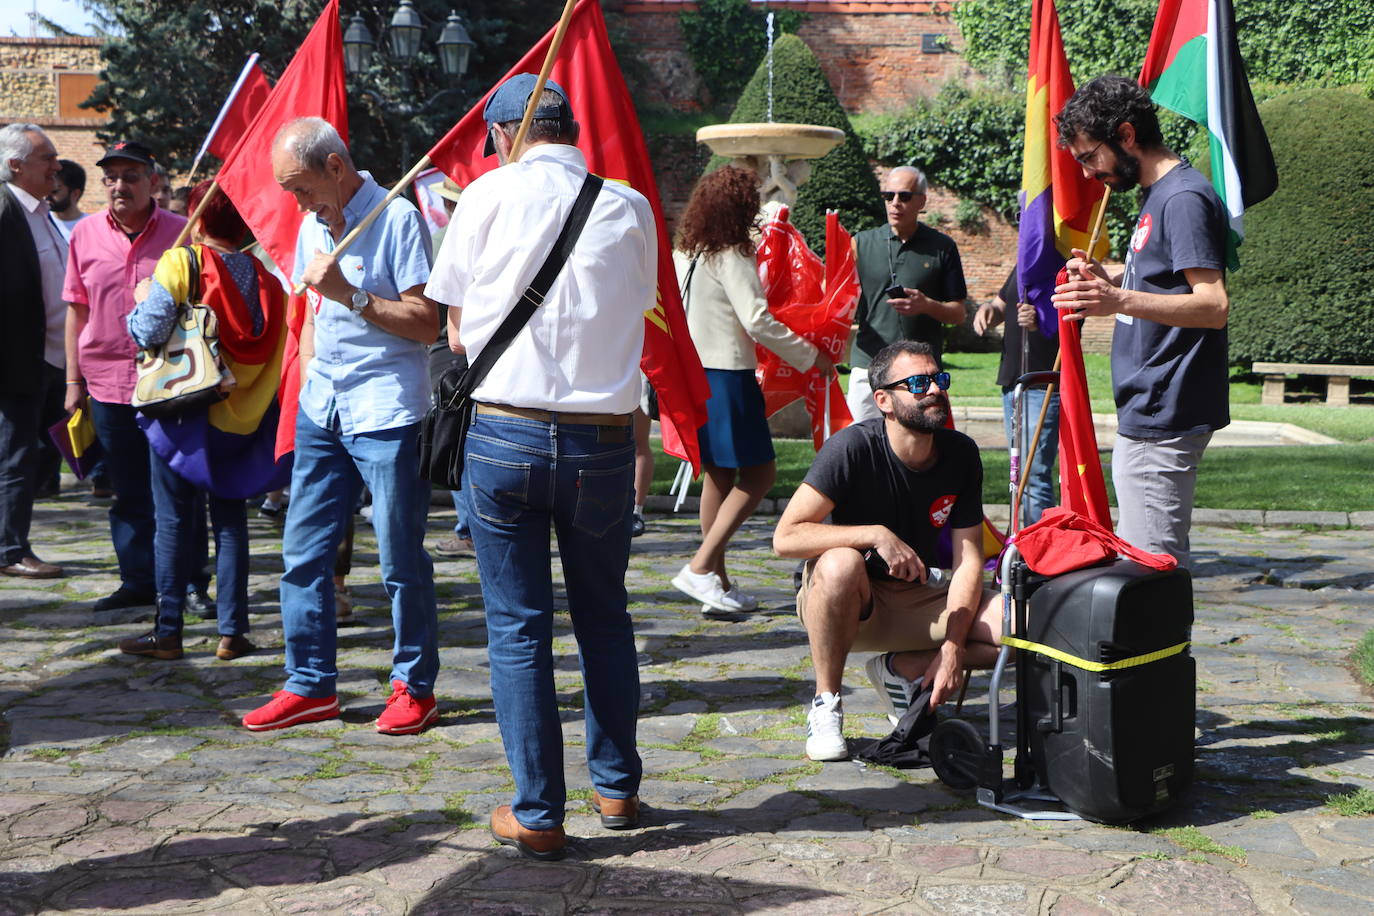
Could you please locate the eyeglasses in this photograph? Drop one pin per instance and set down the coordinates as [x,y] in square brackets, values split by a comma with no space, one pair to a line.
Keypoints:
[1090,155]
[920,384]
[903,196]
[110,181]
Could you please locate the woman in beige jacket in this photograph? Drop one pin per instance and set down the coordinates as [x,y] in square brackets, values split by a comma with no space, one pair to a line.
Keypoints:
[727,314]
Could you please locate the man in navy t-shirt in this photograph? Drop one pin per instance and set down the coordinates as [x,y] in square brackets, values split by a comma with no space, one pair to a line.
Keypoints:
[889,486]
[1169,349]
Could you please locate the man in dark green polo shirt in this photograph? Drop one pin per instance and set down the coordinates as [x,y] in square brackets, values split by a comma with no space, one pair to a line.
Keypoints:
[908,254]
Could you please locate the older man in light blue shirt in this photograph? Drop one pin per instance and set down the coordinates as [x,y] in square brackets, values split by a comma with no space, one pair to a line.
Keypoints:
[364,391]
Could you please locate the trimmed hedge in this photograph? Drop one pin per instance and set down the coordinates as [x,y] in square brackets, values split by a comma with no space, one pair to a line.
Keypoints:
[841,180]
[1305,289]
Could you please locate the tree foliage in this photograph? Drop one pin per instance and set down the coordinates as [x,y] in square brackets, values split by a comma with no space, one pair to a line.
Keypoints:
[842,179]
[728,38]
[1324,41]
[1307,265]
[168,65]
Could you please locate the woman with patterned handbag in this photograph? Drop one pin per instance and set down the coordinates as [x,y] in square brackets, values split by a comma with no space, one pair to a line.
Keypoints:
[226,448]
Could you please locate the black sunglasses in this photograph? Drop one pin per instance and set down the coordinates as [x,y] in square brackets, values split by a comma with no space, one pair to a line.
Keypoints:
[903,196]
[920,384]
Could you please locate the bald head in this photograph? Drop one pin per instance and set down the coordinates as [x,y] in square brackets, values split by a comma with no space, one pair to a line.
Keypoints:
[311,141]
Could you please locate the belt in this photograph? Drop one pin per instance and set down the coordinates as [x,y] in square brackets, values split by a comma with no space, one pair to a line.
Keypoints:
[549,416]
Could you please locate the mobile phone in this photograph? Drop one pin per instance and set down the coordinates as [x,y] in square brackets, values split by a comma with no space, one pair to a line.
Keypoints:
[895,292]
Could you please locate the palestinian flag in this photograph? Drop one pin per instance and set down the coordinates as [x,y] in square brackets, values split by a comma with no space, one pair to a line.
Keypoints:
[1193,67]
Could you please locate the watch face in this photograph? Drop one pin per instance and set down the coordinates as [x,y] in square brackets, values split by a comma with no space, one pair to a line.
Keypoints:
[359,301]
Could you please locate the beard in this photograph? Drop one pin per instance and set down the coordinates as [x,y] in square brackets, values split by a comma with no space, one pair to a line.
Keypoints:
[1125,175]
[923,416]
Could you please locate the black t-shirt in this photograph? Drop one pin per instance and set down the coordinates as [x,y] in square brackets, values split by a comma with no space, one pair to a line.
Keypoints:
[857,470]
[928,261]
[1171,381]
[1042,349]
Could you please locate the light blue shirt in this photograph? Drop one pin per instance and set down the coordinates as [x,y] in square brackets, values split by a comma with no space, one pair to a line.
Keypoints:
[370,379]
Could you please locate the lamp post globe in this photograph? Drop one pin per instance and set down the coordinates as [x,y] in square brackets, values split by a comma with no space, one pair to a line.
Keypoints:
[455,46]
[406,29]
[357,44]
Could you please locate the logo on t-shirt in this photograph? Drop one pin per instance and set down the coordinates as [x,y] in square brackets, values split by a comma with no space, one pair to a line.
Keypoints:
[1142,232]
[940,510]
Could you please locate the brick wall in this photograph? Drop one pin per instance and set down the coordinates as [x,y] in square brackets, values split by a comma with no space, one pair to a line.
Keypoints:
[40,79]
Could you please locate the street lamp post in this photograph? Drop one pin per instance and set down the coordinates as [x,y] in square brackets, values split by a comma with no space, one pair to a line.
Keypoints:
[404,35]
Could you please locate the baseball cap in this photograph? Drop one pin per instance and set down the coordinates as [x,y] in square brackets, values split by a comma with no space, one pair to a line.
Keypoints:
[128,149]
[508,103]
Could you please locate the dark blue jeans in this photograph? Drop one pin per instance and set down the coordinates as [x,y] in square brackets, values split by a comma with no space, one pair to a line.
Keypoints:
[178,503]
[21,430]
[524,477]
[132,525]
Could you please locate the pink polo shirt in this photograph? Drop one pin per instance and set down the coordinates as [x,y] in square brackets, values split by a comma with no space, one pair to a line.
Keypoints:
[103,267]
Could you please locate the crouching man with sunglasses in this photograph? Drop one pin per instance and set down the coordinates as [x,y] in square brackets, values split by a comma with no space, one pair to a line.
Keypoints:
[890,486]
[911,283]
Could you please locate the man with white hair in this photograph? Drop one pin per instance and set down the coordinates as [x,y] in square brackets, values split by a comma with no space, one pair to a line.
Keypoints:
[364,390]
[33,256]
[911,281]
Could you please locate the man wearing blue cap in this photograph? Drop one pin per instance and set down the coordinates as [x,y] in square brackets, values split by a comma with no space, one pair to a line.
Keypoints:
[551,445]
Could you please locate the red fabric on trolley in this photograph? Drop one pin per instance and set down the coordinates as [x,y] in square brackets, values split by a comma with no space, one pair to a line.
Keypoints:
[1063,540]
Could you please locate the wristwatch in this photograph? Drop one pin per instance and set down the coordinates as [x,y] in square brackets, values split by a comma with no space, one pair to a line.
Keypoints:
[358,301]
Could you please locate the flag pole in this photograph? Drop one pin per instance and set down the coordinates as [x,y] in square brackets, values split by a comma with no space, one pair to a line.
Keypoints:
[1049,391]
[219,118]
[517,146]
[195,216]
[424,162]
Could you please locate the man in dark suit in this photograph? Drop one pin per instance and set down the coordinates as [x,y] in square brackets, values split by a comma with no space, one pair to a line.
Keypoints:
[33,257]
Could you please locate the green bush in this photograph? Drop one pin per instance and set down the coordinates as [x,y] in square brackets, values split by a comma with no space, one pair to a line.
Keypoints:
[842,180]
[726,40]
[1307,264]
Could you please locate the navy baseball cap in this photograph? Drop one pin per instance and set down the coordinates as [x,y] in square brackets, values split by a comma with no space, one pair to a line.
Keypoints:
[128,149]
[508,103]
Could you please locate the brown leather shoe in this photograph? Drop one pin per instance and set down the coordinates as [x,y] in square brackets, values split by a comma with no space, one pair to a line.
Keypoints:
[150,644]
[231,647]
[617,813]
[545,845]
[33,568]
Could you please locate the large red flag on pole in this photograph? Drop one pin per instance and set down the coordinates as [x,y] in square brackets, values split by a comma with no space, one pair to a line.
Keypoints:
[249,95]
[1081,484]
[312,86]
[614,147]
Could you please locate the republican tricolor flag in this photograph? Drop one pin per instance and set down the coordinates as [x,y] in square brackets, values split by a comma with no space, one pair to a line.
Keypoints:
[1058,203]
[1193,67]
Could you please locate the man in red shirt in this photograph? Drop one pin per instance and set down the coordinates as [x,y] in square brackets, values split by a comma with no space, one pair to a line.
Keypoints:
[109,255]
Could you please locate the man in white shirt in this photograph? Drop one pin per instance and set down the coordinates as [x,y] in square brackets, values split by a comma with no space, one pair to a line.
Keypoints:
[551,445]
[33,258]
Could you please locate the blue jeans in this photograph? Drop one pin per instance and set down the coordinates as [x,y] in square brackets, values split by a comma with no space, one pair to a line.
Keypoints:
[524,477]
[462,508]
[180,508]
[132,524]
[1039,493]
[330,469]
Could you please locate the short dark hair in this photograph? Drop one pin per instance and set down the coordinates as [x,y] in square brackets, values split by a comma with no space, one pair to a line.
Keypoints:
[881,366]
[1102,105]
[71,175]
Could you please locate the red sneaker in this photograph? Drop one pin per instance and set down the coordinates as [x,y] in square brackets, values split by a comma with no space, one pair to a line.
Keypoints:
[287,709]
[406,715]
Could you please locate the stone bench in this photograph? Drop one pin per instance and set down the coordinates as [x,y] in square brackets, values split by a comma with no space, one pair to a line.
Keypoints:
[1337,379]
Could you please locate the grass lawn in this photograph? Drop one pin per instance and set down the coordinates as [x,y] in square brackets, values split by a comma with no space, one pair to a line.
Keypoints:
[1317,478]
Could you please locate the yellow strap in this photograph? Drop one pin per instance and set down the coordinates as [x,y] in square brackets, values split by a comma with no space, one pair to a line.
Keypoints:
[1086,665]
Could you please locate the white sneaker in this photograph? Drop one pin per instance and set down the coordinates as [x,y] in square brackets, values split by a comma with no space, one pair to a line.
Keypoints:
[825,729]
[894,691]
[706,588]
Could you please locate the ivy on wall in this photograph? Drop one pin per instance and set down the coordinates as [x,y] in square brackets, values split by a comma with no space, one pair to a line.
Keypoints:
[728,38]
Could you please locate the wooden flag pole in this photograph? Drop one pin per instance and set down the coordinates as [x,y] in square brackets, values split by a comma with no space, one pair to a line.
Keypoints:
[423,164]
[1049,391]
[195,216]
[517,147]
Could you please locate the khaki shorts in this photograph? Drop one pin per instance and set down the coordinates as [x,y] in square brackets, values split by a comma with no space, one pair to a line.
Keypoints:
[904,616]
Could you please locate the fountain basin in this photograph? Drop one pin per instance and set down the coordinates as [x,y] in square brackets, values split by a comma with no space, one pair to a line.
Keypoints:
[789,141]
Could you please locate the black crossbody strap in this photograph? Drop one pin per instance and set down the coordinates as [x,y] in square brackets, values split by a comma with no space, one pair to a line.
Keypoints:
[534,294]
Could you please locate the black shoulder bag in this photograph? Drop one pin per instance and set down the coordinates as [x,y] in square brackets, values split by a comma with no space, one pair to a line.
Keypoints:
[444,430]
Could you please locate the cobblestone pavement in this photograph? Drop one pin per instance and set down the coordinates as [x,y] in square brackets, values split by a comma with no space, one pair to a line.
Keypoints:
[129,786]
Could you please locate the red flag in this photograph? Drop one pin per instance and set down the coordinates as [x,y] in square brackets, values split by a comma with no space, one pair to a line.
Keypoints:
[312,86]
[614,146]
[245,101]
[791,276]
[1081,486]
